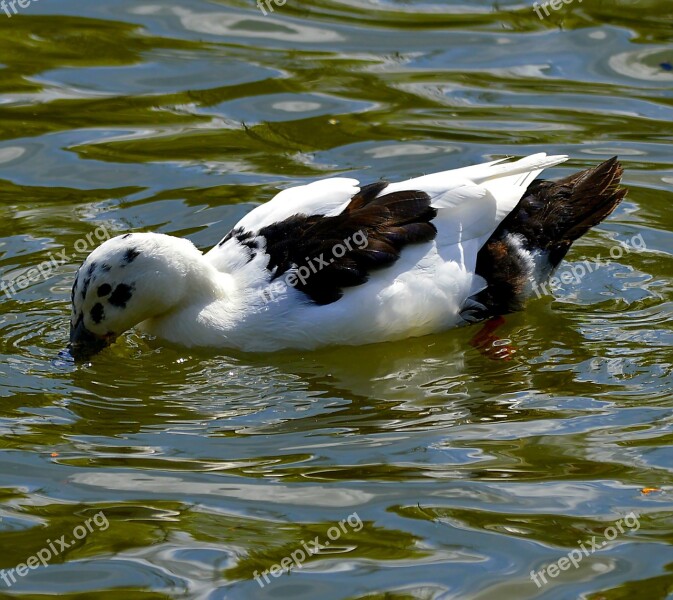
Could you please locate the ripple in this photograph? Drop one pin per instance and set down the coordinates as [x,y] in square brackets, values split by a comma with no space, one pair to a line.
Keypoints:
[247,26]
[645,65]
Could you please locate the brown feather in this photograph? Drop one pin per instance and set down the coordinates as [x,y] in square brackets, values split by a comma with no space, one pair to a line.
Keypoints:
[549,218]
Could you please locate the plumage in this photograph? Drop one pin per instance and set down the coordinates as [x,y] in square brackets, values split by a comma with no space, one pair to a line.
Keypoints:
[333,262]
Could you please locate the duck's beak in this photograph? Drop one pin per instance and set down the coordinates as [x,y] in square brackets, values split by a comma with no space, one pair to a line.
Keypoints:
[84,344]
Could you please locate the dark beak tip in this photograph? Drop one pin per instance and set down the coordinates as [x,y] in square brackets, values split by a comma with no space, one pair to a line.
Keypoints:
[83,343]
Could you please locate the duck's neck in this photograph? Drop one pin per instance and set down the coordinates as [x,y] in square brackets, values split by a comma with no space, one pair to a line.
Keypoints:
[207,309]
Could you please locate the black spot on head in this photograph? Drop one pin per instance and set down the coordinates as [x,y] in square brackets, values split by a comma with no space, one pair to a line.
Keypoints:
[92,268]
[126,235]
[105,268]
[104,290]
[85,287]
[80,316]
[97,313]
[129,256]
[74,287]
[121,295]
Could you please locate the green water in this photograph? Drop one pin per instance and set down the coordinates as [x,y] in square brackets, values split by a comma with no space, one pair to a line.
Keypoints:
[459,474]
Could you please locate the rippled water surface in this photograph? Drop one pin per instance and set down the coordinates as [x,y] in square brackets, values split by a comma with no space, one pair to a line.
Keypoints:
[453,475]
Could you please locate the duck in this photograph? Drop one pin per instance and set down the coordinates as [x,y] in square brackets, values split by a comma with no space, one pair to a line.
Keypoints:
[334,262]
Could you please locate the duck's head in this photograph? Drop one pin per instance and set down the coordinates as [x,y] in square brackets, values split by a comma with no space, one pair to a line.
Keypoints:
[126,280]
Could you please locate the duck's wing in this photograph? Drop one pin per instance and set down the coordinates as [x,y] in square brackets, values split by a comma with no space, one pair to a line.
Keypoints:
[299,230]
[326,254]
[324,197]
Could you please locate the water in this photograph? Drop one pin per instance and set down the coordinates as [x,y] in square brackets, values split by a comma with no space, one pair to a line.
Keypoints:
[453,475]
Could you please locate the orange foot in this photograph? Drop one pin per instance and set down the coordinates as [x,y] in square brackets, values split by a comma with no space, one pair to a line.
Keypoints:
[489,344]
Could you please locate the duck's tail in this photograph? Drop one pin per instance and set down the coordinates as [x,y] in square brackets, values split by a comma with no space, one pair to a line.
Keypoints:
[533,239]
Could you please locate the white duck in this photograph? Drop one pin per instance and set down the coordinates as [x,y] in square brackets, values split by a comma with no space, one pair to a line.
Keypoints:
[335,263]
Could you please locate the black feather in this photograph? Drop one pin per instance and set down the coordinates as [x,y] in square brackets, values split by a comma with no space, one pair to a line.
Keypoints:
[388,223]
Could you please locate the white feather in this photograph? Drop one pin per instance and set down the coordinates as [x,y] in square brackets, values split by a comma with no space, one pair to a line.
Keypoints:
[320,197]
